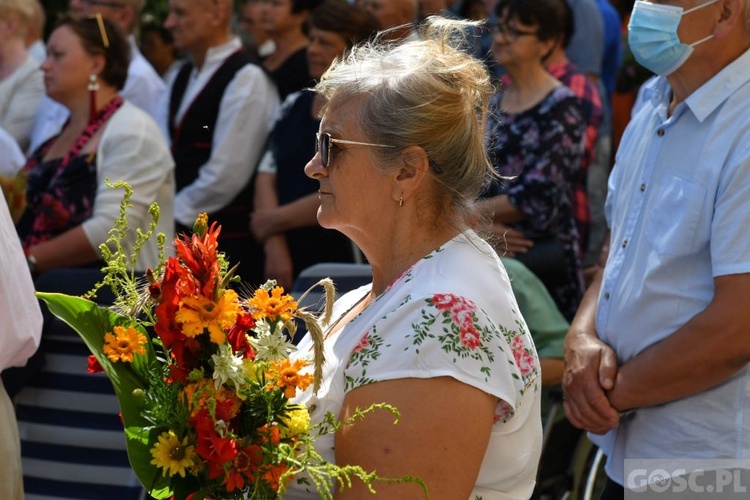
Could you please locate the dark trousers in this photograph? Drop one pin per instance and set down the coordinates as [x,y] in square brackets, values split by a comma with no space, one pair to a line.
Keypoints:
[612,491]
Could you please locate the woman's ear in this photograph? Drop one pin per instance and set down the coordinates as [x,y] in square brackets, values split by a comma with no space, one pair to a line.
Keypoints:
[414,168]
[98,64]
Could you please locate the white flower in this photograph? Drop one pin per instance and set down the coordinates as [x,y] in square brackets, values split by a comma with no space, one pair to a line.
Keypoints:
[228,368]
[271,346]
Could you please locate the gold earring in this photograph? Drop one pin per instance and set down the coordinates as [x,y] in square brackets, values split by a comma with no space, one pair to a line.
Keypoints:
[401,201]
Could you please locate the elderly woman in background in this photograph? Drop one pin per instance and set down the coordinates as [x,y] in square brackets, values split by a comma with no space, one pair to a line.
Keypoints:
[21,81]
[437,334]
[70,208]
[286,200]
[536,134]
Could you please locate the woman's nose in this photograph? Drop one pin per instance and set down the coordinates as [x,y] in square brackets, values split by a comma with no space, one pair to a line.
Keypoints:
[315,168]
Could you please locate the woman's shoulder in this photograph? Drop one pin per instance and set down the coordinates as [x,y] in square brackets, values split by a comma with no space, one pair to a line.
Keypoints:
[562,97]
[130,120]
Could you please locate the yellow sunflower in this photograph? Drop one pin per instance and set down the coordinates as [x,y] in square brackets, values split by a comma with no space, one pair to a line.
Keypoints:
[198,314]
[123,344]
[274,306]
[172,455]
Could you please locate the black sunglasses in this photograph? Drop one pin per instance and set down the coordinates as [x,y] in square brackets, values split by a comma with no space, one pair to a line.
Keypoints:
[323,146]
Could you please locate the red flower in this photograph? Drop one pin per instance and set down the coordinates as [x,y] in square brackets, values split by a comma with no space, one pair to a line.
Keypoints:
[200,256]
[444,301]
[94,366]
[209,445]
[237,335]
[363,342]
[245,465]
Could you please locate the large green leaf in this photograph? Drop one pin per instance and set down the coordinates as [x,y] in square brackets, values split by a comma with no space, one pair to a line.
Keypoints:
[92,322]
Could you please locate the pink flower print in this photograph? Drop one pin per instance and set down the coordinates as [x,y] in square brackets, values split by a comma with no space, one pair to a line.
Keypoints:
[524,358]
[444,301]
[469,336]
[363,342]
[503,411]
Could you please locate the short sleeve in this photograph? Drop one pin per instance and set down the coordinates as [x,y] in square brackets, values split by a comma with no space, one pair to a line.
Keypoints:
[446,335]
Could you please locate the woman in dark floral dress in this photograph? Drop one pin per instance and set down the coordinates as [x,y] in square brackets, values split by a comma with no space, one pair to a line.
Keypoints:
[70,210]
[535,136]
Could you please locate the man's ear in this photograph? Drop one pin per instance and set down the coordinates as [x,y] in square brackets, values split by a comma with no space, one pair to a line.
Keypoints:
[411,174]
[731,13]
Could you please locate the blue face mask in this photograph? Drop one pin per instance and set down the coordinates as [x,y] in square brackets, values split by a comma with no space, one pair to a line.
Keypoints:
[652,36]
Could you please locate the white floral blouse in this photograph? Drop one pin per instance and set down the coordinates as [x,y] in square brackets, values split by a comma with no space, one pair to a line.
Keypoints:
[451,314]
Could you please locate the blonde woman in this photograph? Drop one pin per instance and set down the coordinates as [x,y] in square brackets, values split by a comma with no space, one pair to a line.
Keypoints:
[21,80]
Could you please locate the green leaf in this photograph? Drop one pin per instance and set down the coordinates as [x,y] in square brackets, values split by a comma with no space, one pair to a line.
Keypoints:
[92,322]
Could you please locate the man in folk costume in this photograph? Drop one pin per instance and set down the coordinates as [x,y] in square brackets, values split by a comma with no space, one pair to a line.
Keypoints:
[221,107]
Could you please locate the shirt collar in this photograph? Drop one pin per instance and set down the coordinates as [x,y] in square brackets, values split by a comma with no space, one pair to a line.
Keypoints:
[714,92]
[216,55]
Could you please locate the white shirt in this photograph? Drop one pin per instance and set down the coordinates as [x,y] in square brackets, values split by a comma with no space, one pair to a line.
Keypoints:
[143,87]
[38,51]
[21,325]
[133,150]
[678,209]
[245,117]
[20,94]
[442,318]
[11,156]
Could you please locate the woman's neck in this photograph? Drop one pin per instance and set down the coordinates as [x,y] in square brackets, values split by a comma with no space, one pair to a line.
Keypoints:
[395,249]
[529,85]
[80,109]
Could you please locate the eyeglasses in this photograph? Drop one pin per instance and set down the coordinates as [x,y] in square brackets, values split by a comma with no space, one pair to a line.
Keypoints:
[509,32]
[324,141]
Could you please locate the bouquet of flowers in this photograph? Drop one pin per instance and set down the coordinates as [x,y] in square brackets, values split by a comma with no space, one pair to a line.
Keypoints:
[203,376]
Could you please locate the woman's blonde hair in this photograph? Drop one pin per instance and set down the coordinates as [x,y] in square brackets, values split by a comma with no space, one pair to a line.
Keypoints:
[427,93]
[22,9]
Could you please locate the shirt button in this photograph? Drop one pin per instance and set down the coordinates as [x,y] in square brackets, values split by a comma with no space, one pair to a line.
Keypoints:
[643,187]
[660,132]
[606,295]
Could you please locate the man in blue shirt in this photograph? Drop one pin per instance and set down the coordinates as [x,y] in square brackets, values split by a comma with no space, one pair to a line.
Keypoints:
[664,330]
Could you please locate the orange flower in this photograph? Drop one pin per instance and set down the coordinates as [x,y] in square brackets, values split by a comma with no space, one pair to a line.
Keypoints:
[124,344]
[275,306]
[285,374]
[198,314]
[273,474]
[202,394]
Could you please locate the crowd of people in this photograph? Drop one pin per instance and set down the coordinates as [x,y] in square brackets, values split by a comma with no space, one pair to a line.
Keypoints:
[464,150]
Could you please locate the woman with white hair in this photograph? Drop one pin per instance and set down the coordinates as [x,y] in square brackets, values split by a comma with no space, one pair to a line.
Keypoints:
[21,80]
[437,334]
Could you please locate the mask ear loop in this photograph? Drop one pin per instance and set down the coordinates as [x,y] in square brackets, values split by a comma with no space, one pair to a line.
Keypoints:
[702,40]
[698,7]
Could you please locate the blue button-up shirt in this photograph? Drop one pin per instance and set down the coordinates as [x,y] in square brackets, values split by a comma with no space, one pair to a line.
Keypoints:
[679,208]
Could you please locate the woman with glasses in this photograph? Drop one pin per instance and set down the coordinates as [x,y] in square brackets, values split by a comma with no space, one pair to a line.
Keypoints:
[286,200]
[437,334]
[70,210]
[535,137]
